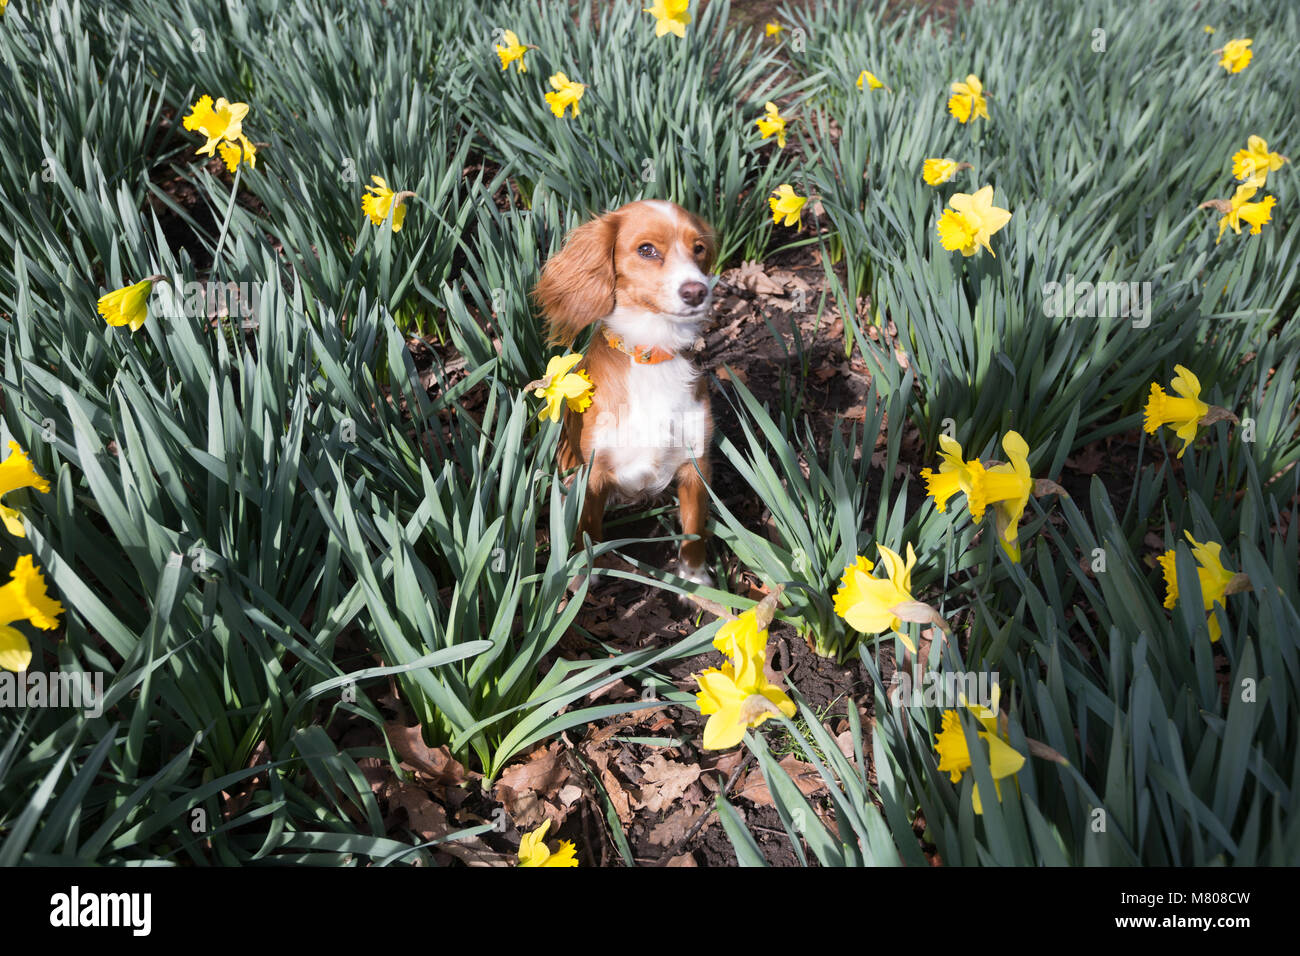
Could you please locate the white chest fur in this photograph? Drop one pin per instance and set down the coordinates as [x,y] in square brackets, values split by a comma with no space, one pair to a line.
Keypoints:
[661,427]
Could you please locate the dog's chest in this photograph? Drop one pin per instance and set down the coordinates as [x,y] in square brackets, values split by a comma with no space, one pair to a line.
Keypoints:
[661,426]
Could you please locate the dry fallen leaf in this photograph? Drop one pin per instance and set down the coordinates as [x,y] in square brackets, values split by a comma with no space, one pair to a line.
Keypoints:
[436,762]
[664,783]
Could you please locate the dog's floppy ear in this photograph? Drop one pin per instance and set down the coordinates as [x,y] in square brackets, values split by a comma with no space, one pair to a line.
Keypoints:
[577,283]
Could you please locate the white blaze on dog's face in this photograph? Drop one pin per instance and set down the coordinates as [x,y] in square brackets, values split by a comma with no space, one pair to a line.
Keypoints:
[662,290]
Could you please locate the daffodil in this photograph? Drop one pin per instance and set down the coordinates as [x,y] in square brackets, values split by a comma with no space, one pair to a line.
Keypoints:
[561,386]
[872,605]
[567,93]
[953,475]
[1209,29]
[128,306]
[785,203]
[24,598]
[1185,412]
[968,98]
[971,222]
[534,852]
[1239,209]
[936,172]
[1236,55]
[742,638]
[381,201]
[772,124]
[774,29]
[735,696]
[512,51]
[1008,488]
[954,755]
[232,152]
[1253,164]
[869,79]
[671,16]
[1213,576]
[220,121]
[16,472]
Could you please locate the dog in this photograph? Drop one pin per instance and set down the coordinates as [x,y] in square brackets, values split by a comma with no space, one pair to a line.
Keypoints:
[640,274]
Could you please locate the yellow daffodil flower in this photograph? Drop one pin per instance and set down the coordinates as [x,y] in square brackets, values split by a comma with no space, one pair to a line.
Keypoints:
[936,172]
[867,603]
[953,476]
[774,29]
[1185,412]
[231,153]
[222,121]
[954,756]
[16,472]
[784,203]
[567,93]
[736,696]
[968,98]
[671,16]
[971,222]
[1253,164]
[512,51]
[1236,55]
[24,598]
[772,123]
[869,78]
[534,852]
[562,386]
[1239,209]
[1209,29]
[1214,578]
[128,306]
[742,639]
[381,201]
[1007,487]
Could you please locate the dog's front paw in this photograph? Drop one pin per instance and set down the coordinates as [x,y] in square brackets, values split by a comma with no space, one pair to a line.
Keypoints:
[695,574]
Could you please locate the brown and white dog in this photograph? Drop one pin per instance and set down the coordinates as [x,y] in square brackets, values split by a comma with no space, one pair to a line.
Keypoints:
[642,273]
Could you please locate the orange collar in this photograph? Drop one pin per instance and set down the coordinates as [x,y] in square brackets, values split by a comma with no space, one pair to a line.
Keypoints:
[640,354]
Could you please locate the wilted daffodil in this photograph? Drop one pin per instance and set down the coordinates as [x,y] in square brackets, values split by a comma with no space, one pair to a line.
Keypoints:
[24,599]
[954,756]
[512,51]
[220,121]
[968,98]
[867,78]
[567,93]
[785,203]
[671,16]
[971,222]
[772,124]
[1253,164]
[1185,412]
[1236,55]
[128,306]
[561,386]
[1216,580]
[1007,487]
[16,472]
[936,172]
[1239,209]
[953,475]
[382,200]
[534,852]
[872,605]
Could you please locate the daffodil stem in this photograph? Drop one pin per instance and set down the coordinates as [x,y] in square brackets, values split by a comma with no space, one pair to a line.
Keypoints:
[225,225]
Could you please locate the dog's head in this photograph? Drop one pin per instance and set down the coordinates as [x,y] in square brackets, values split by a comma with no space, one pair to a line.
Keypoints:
[651,256]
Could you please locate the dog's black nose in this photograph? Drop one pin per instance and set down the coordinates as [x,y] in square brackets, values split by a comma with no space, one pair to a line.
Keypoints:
[693,293]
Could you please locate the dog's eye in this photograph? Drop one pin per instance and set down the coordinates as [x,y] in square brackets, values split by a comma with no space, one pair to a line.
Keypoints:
[647,251]
[699,249]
